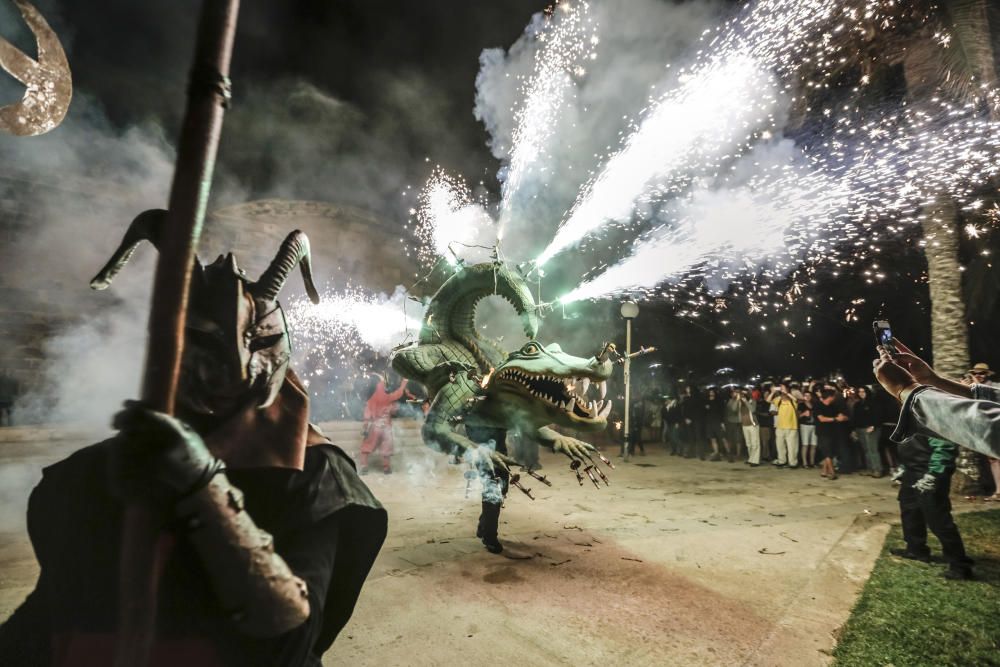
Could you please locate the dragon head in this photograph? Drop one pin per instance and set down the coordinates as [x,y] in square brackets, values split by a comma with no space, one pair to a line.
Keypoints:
[452,310]
[551,387]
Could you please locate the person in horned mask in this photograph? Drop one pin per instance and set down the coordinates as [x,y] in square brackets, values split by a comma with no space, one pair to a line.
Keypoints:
[267,532]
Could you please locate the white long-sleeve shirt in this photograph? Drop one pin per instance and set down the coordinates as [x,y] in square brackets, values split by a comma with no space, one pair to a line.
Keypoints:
[973,423]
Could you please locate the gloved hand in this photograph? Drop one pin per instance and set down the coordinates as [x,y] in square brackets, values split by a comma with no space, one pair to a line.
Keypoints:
[157,458]
[898,474]
[926,483]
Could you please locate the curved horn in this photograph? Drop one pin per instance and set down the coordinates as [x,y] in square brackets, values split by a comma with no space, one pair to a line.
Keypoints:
[294,251]
[145,227]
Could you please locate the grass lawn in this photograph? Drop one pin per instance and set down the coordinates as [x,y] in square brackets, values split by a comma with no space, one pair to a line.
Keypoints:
[909,616]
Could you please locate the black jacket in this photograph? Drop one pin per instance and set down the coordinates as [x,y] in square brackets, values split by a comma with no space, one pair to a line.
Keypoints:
[325,522]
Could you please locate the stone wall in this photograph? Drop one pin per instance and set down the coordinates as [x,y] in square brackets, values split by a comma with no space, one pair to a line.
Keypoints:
[347,243]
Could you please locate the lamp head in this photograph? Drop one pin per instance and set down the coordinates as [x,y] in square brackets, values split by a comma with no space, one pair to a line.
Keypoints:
[630,310]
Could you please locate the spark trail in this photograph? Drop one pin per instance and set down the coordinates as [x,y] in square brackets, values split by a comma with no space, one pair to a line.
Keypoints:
[722,103]
[876,172]
[568,40]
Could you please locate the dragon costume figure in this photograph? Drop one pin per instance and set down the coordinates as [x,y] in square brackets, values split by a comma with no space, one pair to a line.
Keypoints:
[476,387]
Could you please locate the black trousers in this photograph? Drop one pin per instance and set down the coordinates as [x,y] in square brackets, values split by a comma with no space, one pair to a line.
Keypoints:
[495,482]
[920,511]
[635,442]
[695,444]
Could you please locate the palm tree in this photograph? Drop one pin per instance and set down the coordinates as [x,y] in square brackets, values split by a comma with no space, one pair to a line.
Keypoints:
[944,49]
[957,67]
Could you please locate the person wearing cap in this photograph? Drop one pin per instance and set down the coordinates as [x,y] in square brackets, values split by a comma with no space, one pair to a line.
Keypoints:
[980,374]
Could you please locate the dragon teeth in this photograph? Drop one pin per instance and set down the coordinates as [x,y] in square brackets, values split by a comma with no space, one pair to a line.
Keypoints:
[602,386]
[606,410]
[586,385]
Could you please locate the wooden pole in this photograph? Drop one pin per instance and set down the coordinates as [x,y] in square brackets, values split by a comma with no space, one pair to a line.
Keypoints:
[143,547]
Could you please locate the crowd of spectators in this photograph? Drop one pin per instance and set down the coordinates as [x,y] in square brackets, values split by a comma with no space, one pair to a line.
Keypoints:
[789,424]
[825,424]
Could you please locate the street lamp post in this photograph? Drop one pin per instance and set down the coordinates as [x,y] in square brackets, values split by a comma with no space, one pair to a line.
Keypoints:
[629,310]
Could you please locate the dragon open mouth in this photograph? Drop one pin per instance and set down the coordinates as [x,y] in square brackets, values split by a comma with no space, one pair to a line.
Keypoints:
[566,393]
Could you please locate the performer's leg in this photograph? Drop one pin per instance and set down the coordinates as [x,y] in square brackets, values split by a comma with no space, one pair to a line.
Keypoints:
[387,449]
[367,447]
[495,484]
[912,517]
[936,507]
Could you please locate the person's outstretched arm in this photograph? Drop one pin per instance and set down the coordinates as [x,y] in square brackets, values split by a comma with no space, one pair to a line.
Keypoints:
[927,409]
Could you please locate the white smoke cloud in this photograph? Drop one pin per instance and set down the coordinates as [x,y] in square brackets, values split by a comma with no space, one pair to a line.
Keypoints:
[642,42]
[79,187]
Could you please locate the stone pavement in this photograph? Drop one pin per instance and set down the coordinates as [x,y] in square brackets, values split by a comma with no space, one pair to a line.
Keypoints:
[678,562]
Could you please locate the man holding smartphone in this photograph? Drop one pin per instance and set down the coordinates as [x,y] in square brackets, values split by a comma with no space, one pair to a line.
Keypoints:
[786,425]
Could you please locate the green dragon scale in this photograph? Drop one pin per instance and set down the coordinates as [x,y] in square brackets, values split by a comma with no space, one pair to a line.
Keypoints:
[471,380]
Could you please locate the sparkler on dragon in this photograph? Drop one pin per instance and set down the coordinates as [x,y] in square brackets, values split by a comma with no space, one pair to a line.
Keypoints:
[476,387]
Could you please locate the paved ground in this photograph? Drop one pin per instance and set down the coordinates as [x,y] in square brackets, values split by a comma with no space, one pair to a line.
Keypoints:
[678,562]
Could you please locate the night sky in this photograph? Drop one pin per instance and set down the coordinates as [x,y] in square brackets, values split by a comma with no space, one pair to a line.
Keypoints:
[402,74]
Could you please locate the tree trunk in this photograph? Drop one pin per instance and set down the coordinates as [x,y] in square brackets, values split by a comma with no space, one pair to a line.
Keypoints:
[967,21]
[949,335]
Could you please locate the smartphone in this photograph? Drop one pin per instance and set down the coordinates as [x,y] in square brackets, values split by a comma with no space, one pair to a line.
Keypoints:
[883,335]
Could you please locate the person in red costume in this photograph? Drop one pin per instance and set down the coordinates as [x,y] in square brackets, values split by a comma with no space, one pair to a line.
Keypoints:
[378,424]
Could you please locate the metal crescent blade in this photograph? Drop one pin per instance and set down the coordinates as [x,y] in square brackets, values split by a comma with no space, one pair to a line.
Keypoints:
[48,81]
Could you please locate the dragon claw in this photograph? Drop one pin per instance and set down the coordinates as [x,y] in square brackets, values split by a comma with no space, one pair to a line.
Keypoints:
[540,478]
[515,479]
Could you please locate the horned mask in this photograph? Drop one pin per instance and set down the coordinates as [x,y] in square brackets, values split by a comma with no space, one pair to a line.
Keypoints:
[236,347]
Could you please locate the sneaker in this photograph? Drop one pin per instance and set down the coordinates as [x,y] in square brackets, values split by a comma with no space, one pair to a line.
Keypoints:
[909,555]
[779,465]
[753,465]
[715,457]
[958,574]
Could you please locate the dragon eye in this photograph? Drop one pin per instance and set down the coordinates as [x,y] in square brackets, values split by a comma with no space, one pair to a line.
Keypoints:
[530,348]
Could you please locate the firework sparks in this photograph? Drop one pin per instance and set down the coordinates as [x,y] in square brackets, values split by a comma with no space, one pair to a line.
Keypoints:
[350,321]
[701,116]
[729,97]
[788,216]
[450,222]
[568,40]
